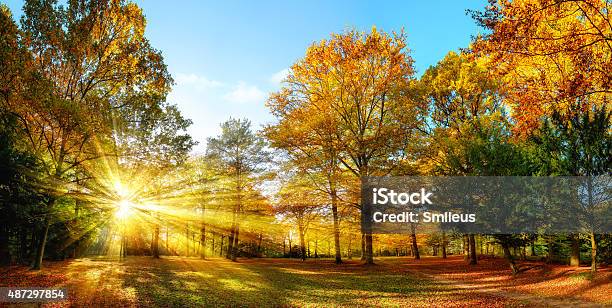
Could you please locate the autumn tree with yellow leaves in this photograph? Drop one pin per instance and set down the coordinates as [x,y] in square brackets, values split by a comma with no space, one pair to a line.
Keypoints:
[358,84]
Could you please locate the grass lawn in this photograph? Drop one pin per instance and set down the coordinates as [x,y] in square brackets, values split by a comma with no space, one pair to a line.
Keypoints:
[189,282]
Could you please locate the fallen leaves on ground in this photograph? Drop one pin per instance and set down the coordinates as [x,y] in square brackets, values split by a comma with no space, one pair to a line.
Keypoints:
[191,282]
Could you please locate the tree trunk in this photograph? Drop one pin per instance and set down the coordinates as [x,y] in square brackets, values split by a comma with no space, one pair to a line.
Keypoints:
[40,252]
[121,246]
[369,249]
[466,247]
[509,257]
[155,244]
[575,250]
[259,243]
[350,251]
[443,245]
[334,201]
[212,242]
[193,240]
[124,244]
[203,234]
[593,252]
[167,235]
[473,257]
[551,248]
[593,236]
[363,250]
[302,241]
[76,243]
[203,241]
[236,216]
[187,249]
[230,243]
[221,248]
[415,247]
[235,246]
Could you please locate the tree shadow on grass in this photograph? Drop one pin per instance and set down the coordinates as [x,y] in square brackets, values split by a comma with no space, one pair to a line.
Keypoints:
[183,282]
[354,284]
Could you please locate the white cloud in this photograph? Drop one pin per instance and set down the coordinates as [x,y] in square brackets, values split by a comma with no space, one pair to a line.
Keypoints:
[279,76]
[199,82]
[208,102]
[244,93]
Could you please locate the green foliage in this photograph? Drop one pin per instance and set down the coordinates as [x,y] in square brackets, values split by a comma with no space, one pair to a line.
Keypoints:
[489,151]
[20,197]
[240,151]
[580,146]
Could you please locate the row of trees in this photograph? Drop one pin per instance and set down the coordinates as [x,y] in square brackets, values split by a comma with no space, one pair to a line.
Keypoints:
[531,97]
[87,135]
[82,90]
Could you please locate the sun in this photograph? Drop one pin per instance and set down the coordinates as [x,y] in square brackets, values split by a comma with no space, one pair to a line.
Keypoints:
[124,205]
[120,189]
[124,208]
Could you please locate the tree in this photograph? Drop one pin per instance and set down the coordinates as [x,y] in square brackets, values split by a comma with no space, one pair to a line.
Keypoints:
[491,152]
[359,84]
[204,180]
[463,99]
[579,146]
[311,142]
[299,201]
[241,156]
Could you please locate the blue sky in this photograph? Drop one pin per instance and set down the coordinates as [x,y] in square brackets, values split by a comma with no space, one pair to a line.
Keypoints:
[226,56]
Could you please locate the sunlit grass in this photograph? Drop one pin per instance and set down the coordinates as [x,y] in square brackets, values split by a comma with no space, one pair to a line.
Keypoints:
[392,282]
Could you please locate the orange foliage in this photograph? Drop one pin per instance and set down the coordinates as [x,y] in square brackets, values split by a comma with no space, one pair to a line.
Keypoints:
[554,55]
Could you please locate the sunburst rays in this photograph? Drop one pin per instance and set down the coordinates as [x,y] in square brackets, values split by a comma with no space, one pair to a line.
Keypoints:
[119,206]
